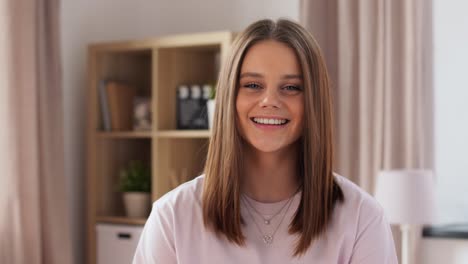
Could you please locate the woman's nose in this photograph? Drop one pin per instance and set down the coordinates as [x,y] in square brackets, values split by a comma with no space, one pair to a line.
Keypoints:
[270,98]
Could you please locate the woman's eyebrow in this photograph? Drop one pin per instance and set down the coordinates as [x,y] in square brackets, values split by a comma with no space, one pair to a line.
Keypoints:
[258,75]
[250,74]
[292,76]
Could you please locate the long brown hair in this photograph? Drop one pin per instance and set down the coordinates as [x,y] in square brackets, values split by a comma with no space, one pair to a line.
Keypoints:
[320,193]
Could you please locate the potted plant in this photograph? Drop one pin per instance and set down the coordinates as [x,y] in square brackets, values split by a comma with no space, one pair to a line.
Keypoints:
[135,184]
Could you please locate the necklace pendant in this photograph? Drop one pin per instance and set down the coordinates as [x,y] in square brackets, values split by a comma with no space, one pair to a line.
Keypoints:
[267,239]
[267,222]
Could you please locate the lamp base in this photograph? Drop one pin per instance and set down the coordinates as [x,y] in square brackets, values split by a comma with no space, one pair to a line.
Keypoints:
[405,242]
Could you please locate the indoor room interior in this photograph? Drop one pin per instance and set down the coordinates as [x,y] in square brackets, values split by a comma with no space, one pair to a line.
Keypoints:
[108,105]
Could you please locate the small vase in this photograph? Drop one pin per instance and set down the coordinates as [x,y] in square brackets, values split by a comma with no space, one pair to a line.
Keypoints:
[137,204]
[211,108]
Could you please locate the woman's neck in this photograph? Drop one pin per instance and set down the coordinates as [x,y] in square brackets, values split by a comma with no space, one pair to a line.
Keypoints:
[270,177]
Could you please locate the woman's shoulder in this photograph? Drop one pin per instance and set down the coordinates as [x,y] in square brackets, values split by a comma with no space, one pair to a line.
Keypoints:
[185,196]
[361,221]
[356,199]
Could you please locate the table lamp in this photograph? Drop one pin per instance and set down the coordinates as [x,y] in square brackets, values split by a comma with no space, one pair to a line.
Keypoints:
[407,197]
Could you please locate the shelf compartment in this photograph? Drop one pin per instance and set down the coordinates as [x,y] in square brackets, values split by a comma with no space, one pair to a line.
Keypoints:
[182,65]
[177,160]
[112,156]
[133,68]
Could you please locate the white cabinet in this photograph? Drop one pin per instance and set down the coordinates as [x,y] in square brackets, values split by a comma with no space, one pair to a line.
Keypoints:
[116,244]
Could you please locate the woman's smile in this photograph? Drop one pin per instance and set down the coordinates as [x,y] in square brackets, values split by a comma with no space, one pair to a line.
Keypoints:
[273,121]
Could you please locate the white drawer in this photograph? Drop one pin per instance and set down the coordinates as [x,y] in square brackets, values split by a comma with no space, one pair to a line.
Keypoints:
[116,244]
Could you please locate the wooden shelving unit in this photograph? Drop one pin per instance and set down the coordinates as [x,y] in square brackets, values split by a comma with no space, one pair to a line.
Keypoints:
[155,67]
[183,134]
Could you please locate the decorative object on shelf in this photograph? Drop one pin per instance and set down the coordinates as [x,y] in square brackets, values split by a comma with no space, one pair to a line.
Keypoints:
[210,103]
[192,110]
[184,107]
[120,100]
[142,114]
[407,197]
[135,183]
[198,121]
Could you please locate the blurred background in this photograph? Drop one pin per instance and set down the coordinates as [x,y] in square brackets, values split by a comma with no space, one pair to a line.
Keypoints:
[399,71]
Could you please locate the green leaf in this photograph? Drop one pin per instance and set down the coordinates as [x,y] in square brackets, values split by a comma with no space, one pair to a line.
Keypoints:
[136,177]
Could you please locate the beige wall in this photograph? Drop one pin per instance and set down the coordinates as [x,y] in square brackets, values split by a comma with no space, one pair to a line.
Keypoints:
[88,21]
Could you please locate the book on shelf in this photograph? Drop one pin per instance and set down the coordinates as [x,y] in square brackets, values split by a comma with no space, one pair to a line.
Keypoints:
[116,105]
[120,96]
[104,105]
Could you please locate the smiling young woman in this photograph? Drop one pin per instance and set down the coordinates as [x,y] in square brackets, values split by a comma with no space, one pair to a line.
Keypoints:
[269,194]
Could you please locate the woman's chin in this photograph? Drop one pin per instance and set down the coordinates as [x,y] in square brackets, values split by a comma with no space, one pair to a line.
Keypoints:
[268,147]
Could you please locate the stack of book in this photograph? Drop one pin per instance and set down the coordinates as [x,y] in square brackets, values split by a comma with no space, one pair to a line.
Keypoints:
[116,103]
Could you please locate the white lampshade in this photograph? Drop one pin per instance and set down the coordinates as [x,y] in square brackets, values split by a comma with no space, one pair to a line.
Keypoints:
[407,196]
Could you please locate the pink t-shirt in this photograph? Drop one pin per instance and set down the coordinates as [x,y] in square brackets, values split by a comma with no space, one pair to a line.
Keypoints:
[175,233]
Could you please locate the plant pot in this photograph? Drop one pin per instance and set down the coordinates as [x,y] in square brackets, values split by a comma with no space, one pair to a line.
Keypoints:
[137,204]
[211,108]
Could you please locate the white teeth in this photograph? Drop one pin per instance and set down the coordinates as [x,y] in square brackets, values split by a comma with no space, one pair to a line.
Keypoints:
[270,121]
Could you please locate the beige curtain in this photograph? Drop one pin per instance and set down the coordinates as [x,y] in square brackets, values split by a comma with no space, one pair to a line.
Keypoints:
[34,224]
[379,54]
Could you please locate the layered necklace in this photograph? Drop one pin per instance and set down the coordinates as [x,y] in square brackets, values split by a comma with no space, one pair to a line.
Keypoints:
[267,237]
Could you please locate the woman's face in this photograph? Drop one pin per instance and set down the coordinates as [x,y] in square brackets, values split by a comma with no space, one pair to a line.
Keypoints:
[270,98]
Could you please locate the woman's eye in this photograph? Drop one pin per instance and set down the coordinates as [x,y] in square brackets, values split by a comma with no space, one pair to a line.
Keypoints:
[252,86]
[292,88]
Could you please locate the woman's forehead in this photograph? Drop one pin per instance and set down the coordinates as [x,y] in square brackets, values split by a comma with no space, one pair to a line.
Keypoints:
[270,56]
